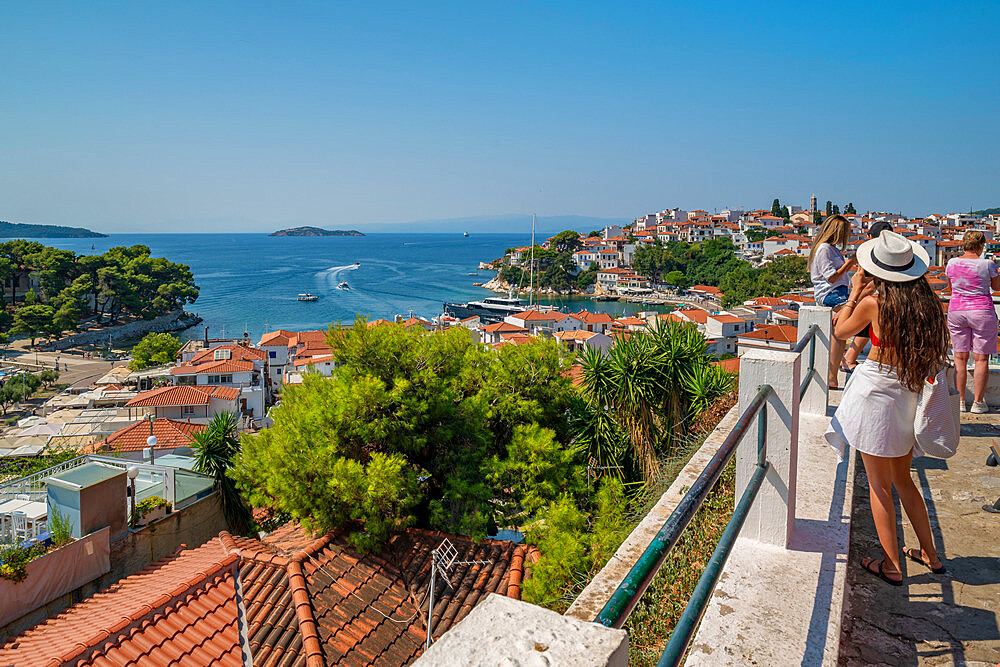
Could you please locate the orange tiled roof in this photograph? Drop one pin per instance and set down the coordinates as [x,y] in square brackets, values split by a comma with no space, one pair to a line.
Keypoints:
[182,394]
[726,318]
[695,315]
[518,338]
[305,361]
[784,333]
[304,336]
[578,334]
[504,327]
[528,315]
[237,353]
[278,338]
[708,289]
[308,601]
[593,318]
[169,433]
[180,610]
[730,365]
[630,321]
[213,367]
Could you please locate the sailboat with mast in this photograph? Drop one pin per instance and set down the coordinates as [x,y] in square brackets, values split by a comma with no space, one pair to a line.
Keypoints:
[496,308]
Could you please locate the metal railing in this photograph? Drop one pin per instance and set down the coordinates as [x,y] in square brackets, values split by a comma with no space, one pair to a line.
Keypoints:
[618,608]
[810,339]
[33,485]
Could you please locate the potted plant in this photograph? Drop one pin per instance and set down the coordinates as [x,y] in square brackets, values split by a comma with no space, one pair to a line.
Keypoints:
[151,509]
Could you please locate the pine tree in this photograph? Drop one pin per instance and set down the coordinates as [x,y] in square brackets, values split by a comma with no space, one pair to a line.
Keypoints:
[776,208]
[829,207]
[784,213]
[850,208]
[836,210]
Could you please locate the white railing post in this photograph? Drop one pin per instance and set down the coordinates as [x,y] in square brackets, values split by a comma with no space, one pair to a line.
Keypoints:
[817,394]
[772,515]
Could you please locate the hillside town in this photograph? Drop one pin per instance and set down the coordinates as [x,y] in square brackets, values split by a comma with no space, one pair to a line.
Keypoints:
[127,439]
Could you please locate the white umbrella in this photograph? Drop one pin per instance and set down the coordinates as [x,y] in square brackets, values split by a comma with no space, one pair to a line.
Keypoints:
[42,429]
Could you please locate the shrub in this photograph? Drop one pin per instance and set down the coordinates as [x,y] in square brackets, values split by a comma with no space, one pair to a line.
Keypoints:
[144,507]
[60,528]
[14,560]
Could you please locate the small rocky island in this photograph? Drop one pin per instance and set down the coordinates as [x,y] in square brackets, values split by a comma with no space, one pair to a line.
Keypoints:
[315,231]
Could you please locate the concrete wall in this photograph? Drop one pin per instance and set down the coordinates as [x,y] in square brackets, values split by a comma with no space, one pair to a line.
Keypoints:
[192,526]
[176,320]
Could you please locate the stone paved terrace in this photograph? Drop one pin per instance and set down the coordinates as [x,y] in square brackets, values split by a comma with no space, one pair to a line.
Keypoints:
[933,620]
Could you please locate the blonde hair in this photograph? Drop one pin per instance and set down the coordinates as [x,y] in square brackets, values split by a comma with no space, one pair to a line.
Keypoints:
[835,230]
[973,241]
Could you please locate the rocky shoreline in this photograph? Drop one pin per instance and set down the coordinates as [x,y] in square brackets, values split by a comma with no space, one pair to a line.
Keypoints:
[171,322]
[503,287]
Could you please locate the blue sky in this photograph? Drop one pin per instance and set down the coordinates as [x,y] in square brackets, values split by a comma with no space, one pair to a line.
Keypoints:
[251,116]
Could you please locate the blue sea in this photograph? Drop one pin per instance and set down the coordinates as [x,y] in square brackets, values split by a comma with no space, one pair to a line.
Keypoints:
[249,282]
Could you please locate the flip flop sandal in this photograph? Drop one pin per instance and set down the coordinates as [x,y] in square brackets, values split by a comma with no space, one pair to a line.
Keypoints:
[880,573]
[917,559]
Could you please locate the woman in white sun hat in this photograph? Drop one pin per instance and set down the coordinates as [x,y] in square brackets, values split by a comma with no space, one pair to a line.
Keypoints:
[909,336]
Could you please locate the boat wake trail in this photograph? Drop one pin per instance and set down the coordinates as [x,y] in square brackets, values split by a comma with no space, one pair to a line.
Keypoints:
[329,278]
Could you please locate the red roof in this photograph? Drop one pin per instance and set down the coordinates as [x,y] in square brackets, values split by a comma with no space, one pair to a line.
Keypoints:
[180,610]
[182,394]
[277,338]
[518,338]
[630,321]
[695,315]
[726,318]
[305,336]
[708,289]
[504,327]
[236,353]
[593,318]
[213,367]
[306,361]
[784,333]
[169,433]
[307,601]
[788,314]
[532,315]
[730,365]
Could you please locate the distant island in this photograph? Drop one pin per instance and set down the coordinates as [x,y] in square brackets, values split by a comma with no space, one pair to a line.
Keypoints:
[22,231]
[315,231]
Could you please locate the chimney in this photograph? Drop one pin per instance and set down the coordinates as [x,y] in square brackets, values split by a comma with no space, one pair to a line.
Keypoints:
[206,336]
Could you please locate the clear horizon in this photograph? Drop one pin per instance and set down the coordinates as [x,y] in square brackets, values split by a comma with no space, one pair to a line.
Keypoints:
[232,118]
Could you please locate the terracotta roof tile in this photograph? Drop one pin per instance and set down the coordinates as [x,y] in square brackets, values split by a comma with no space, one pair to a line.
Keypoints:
[169,433]
[182,395]
[236,353]
[213,367]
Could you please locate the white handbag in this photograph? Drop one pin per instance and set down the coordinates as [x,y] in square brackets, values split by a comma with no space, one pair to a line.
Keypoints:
[938,422]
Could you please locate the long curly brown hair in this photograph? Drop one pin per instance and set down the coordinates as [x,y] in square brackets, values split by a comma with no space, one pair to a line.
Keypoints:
[913,330]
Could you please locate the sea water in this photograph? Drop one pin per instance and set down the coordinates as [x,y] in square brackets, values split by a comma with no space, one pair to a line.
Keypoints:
[250,282]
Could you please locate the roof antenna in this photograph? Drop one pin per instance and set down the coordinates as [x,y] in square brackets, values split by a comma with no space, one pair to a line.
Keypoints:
[442,560]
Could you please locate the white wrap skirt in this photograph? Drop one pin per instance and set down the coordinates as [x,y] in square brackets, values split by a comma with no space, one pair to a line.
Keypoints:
[875,415]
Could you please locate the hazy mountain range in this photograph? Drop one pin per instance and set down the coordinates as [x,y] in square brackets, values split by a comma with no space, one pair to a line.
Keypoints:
[512,223]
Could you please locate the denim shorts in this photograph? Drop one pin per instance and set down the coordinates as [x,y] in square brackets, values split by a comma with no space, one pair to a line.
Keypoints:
[836,297]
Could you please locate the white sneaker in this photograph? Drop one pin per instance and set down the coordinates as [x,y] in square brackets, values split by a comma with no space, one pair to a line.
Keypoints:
[961,406]
[980,408]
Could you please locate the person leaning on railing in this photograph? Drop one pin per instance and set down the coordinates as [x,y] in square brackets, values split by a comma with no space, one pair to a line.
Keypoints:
[909,336]
[972,320]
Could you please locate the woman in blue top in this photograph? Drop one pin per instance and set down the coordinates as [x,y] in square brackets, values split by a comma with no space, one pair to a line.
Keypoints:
[829,272]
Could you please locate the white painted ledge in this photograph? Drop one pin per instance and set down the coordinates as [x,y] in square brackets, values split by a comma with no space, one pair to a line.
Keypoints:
[504,631]
[777,606]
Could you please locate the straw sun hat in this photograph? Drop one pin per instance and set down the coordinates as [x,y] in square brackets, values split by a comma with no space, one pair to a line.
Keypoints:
[893,257]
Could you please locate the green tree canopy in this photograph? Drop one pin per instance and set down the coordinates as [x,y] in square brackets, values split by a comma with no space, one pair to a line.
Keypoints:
[33,321]
[428,429]
[155,349]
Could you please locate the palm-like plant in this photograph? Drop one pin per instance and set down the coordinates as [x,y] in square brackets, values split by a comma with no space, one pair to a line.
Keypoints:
[215,449]
[650,384]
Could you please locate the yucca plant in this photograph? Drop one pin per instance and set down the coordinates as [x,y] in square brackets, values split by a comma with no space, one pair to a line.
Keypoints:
[215,449]
[649,385]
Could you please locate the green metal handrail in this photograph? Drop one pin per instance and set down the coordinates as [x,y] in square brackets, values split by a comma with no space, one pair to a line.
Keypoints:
[627,595]
[800,346]
[684,631]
